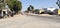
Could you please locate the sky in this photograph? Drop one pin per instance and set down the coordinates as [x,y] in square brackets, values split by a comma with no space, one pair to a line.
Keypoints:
[38,4]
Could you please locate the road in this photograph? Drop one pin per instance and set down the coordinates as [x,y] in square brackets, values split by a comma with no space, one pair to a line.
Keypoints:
[23,21]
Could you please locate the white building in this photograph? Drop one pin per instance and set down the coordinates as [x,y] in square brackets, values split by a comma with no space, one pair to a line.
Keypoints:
[54,10]
[43,10]
[51,9]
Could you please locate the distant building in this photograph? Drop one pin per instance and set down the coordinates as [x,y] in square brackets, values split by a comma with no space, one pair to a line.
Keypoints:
[55,11]
[51,9]
[36,11]
[43,10]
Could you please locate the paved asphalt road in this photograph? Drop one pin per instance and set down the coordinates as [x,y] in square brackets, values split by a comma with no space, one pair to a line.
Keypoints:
[31,21]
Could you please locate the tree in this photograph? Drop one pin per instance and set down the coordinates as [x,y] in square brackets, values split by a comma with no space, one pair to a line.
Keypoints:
[1,3]
[12,3]
[30,8]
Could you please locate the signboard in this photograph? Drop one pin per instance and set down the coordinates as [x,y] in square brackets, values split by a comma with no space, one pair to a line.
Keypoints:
[58,11]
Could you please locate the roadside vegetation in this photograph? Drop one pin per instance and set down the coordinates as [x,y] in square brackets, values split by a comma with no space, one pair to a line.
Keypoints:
[14,5]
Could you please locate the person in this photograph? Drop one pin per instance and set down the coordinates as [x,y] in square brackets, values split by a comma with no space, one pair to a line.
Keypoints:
[12,14]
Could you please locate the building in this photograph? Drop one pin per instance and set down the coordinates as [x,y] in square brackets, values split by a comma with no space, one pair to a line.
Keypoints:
[43,10]
[52,10]
[36,11]
[55,12]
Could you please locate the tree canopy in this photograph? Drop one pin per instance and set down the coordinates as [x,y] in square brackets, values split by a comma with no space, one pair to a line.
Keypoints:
[11,4]
[1,3]
[30,8]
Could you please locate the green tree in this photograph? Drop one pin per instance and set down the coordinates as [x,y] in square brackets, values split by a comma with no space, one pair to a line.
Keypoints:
[11,4]
[1,3]
[30,8]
